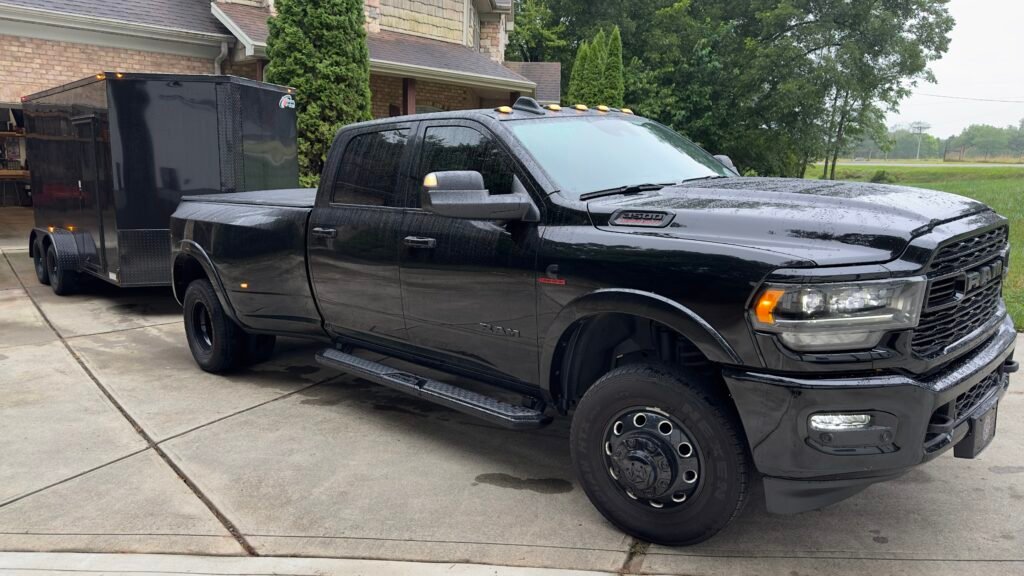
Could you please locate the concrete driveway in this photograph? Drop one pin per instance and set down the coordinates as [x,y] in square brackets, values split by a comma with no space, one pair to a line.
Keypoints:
[111,440]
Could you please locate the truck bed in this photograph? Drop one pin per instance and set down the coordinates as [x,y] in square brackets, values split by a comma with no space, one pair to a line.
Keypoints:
[286,198]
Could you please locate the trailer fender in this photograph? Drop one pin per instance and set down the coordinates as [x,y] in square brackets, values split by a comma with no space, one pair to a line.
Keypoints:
[63,244]
[190,250]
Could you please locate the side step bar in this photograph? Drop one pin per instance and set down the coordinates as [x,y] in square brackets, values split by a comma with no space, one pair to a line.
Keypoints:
[454,397]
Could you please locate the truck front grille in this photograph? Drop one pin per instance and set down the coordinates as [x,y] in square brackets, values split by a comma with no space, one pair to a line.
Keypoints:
[956,305]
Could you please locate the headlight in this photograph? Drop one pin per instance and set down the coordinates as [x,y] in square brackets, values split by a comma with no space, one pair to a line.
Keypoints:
[840,316]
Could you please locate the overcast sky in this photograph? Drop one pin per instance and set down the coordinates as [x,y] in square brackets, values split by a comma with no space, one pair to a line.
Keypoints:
[985,60]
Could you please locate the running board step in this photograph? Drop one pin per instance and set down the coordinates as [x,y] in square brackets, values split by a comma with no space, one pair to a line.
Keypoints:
[454,397]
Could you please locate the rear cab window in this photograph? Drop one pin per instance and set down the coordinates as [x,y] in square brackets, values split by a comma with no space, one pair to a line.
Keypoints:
[369,168]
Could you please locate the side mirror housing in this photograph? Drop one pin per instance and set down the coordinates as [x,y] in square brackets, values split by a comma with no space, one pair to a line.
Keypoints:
[461,194]
[727,162]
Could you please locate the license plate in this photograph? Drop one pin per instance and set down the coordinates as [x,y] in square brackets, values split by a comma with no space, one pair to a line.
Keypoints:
[982,430]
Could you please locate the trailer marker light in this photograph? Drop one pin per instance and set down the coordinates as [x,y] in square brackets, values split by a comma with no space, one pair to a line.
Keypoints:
[627,111]
[554,107]
[603,108]
[71,228]
[101,76]
[581,107]
[766,305]
[50,228]
[244,285]
[119,75]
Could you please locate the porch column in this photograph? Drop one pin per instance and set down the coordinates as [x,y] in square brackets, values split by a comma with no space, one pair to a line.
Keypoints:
[408,95]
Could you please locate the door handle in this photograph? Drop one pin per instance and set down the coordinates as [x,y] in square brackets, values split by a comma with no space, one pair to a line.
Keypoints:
[419,242]
[325,232]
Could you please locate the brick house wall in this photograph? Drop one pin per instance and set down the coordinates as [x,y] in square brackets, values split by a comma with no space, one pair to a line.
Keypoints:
[387,92]
[30,65]
[494,38]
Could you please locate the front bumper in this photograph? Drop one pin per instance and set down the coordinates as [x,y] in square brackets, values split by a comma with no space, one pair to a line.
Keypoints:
[923,413]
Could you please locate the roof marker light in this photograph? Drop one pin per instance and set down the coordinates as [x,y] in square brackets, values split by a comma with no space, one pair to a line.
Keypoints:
[504,109]
[554,107]
[581,107]
[430,180]
[603,108]
[627,111]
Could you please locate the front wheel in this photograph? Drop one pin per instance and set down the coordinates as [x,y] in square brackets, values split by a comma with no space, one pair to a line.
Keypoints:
[216,342]
[660,455]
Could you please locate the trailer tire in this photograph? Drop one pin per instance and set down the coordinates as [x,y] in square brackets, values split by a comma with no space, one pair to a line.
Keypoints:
[62,280]
[660,455]
[260,348]
[39,260]
[216,342]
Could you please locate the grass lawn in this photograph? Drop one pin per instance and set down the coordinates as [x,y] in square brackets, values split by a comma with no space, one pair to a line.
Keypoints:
[1000,188]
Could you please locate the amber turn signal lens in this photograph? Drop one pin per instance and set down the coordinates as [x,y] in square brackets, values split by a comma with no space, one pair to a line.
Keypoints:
[765,308]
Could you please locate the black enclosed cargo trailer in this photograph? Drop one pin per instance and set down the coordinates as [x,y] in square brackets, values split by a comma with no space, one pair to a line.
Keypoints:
[113,154]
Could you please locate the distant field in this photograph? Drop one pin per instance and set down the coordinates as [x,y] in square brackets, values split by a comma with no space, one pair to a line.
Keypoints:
[1000,188]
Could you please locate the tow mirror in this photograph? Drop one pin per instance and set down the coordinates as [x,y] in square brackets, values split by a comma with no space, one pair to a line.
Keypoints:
[727,162]
[461,194]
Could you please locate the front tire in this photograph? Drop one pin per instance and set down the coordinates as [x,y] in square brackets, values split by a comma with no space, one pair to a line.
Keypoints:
[216,342]
[39,260]
[63,280]
[660,455]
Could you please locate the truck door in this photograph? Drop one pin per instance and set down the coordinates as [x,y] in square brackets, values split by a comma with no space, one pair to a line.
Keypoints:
[469,286]
[353,235]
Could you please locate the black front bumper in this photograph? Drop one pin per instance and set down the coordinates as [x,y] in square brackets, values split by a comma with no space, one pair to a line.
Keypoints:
[922,418]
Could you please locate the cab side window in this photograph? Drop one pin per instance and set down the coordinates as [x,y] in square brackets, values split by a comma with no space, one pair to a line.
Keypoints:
[368,174]
[463,148]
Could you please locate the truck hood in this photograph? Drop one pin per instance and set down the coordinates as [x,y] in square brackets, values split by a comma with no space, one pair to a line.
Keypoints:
[827,223]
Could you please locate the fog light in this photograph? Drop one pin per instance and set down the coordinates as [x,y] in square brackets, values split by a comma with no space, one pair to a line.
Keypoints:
[840,421]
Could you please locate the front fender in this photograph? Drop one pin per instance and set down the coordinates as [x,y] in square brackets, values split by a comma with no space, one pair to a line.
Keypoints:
[641,304]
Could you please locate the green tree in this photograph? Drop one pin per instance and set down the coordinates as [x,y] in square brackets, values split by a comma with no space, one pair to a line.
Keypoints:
[613,80]
[319,48]
[575,94]
[538,36]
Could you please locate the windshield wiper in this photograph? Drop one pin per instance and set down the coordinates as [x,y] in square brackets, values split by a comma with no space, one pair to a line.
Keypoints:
[711,177]
[631,189]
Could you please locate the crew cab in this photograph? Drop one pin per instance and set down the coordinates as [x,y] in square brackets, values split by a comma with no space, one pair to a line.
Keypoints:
[701,329]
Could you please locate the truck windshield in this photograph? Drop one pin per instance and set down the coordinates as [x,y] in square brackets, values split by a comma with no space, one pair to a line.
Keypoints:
[586,154]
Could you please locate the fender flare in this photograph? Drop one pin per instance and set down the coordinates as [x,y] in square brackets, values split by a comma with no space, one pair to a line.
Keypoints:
[190,249]
[63,244]
[637,303]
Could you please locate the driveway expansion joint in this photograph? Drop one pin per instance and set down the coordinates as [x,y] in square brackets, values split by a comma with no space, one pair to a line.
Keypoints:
[224,520]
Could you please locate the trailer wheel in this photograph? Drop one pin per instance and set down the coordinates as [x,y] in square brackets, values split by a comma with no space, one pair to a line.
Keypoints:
[62,280]
[260,347]
[217,343]
[39,259]
[661,457]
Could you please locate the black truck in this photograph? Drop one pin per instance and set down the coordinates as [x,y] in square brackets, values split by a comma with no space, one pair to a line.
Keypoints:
[702,329]
[112,154]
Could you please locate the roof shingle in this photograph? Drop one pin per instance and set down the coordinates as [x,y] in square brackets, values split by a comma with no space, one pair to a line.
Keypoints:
[417,51]
[547,75]
[187,15]
[252,20]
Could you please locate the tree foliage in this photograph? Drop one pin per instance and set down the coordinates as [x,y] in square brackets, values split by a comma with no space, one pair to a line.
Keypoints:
[538,36]
[773,83]
[319,48]
[597,72]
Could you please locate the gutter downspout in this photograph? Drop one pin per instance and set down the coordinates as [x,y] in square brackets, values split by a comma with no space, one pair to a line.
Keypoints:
[220,58]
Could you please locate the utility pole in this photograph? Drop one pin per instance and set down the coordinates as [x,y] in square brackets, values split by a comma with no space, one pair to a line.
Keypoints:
[919,128]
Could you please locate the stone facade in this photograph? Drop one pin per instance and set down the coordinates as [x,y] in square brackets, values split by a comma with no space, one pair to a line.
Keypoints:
[494,38]
[30,65]
[439,19]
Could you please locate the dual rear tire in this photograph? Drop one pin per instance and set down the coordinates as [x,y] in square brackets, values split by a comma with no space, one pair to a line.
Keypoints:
[217,343]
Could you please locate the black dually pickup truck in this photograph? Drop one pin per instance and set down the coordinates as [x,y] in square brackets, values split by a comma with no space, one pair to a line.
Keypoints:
[701,329]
